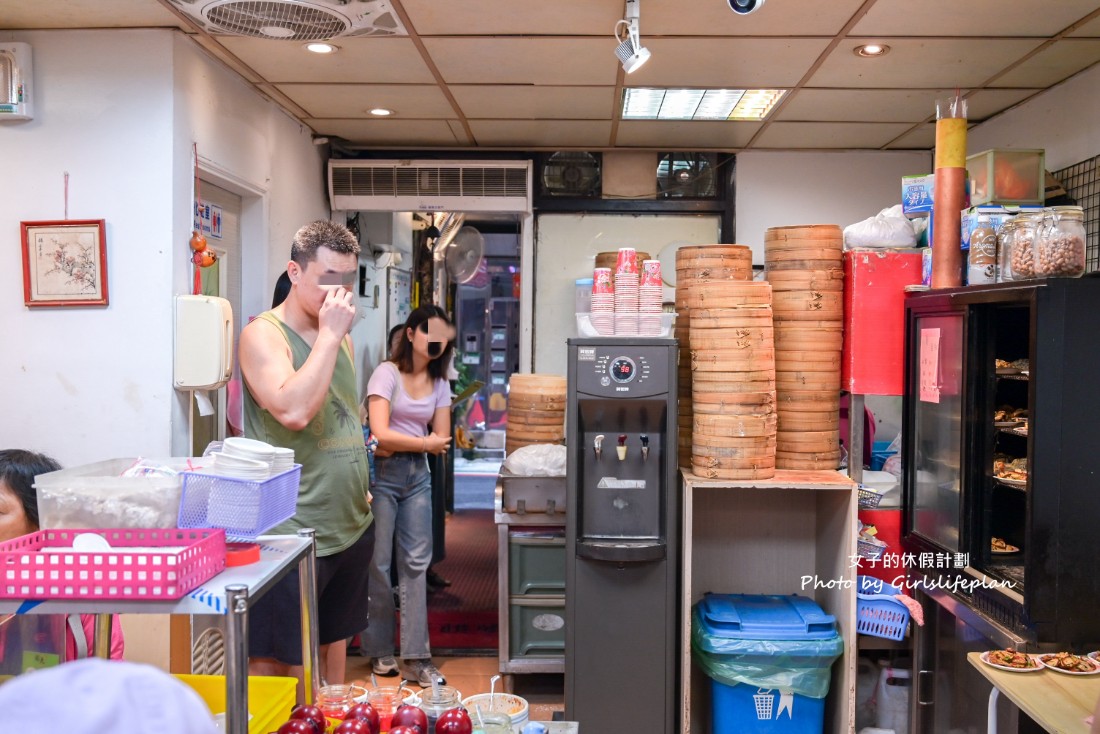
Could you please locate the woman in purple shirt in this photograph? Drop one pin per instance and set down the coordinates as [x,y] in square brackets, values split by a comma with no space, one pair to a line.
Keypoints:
[405,396]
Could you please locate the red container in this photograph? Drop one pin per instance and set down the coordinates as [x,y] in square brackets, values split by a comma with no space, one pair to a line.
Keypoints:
[888,524]
[873,360]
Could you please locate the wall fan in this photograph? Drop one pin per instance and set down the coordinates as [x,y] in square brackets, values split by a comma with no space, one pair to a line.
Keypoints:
[571,174]
[464,255]
[687,175]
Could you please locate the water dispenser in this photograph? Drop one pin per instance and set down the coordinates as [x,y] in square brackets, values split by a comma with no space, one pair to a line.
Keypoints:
[622,542]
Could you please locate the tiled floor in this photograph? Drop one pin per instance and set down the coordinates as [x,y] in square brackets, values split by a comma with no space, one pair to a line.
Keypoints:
[544,693]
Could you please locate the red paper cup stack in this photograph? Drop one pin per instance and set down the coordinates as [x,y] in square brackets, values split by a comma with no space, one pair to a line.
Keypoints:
[603,302]
[650,299]
[626,293]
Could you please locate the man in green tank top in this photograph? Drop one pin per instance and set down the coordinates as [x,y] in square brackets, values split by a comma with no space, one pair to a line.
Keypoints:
[300,393]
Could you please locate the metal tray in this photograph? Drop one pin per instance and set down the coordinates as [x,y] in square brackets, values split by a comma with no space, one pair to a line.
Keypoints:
[530,495]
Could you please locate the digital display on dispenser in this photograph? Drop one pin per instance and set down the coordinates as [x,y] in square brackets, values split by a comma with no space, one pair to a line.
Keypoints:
[623,369]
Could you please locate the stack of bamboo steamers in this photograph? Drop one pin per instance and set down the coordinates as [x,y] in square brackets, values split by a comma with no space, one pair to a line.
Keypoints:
[804,268]
[536,410]
[724,323]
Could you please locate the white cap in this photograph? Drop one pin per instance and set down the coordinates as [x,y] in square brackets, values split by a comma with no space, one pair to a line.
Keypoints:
[93,696]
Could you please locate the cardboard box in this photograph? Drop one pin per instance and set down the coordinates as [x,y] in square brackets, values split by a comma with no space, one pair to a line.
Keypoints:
[1007,176]
[916,194]
[873,358]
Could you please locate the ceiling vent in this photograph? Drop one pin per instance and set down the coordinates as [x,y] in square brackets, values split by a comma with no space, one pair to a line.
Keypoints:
[412,185]
[294,20]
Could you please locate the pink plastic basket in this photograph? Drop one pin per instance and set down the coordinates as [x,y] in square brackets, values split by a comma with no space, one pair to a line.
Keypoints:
[35,566]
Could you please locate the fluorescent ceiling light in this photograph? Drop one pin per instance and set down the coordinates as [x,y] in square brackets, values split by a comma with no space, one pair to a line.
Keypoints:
[381,112]
[640,103]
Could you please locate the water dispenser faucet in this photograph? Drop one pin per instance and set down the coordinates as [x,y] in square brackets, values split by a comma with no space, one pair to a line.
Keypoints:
[645,446]
[597,444]
[621,448]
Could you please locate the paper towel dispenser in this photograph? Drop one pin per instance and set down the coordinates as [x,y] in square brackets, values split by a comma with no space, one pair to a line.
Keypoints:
[203,358]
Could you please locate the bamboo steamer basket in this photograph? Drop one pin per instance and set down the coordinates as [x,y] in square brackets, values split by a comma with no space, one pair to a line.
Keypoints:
[757,403]
[731,382]
[733,360]
[807,280]
[819,361]
[806,440]
[735,445]
[729,408]
[611,259]
[733,338]
[791,336]
[803,380]
[809,421]
[727,256]
[801,234]
[807,464]
[816,253]
[808,305]
[533,432]
[536,384]
[735,426]
[707,461]
[735,474]
[728,294]
[810,401]
[689,277]
[773,266]
[725,318]
[536,417]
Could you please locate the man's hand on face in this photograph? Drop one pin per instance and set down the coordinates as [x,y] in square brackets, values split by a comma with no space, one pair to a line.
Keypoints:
[337,313]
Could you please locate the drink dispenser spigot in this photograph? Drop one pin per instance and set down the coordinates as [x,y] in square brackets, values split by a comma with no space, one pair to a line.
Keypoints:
[645,446]
[597,444]
[620,448]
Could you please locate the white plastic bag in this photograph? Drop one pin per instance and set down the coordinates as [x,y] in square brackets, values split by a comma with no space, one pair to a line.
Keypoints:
[537,460]
[889,228]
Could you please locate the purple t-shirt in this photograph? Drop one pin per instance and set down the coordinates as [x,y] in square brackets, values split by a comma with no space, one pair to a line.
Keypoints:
[407,415]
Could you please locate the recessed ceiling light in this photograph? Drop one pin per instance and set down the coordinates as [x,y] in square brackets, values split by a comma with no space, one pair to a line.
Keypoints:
[640,103]
[381,112]
[319,47]
[871,50]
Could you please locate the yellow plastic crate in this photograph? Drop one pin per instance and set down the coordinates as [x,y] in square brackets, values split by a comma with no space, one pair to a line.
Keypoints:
[270,698]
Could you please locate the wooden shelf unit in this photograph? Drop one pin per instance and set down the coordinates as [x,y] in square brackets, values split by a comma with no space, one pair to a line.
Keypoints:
[763,537]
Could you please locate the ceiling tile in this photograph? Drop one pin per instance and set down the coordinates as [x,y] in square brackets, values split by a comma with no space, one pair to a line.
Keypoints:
[745,63]
[868,105]
[777,18]
[495,18]
[535,103]
[589,134]
[686,134]
[1090,29]
[929,63]
[559,60]
[380,60]
[846,135]
[979,18]
[923,138]
[411,133]
[1053,64]
[985,103]
[18,14]
[408,101]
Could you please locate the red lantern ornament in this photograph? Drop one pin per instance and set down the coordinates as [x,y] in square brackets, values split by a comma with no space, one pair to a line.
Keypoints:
[198,241]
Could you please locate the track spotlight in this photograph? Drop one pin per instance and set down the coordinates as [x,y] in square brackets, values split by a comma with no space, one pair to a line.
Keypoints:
[630,51]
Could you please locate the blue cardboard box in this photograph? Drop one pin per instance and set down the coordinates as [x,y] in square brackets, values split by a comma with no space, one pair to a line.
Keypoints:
[916,194]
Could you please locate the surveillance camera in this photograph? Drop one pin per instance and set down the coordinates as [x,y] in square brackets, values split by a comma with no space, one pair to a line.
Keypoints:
[744,7]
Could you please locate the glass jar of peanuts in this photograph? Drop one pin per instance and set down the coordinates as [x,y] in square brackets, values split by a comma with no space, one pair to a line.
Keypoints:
[1060,244]
[1021,256]
[1004,250]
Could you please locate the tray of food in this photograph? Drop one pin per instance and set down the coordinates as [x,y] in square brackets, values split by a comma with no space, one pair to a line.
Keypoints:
[1015,367]
[1064,662]
[1007,416]
[998,546]
[1010,471]
[1012,661]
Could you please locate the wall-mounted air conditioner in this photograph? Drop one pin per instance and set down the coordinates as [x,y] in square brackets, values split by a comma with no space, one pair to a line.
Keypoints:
[427,185]
[16,81]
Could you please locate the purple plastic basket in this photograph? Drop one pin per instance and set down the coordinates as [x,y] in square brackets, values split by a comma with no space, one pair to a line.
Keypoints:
[878,613]
[242,507]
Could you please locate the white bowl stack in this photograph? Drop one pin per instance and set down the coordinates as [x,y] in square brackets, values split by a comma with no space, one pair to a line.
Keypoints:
[247,458]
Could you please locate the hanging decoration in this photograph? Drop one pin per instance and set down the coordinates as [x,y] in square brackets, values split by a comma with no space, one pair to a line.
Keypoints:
[201,255]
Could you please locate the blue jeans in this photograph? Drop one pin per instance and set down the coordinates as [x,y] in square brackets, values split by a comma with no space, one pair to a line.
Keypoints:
[402,509]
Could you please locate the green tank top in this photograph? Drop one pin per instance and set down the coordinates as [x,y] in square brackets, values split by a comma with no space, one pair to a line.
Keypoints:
[332,497]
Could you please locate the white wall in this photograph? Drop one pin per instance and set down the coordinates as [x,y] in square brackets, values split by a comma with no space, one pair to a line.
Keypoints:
[1062,120]
[118,111]
[787,189]
[93,383]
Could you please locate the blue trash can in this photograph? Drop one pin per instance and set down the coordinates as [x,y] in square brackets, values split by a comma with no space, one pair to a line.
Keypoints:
[768,658]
